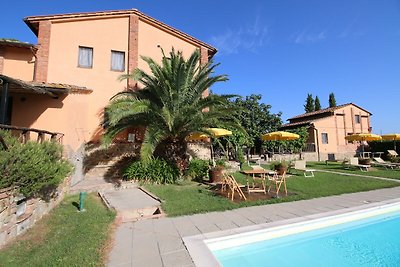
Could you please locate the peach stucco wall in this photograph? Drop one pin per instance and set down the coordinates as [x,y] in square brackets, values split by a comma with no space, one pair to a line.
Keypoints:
[63,115]
[18,63]
[340,125]
[151,36]
[103,35]
[79,116]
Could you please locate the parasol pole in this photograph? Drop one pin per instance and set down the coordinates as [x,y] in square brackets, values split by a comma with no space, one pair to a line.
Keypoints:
[212,153]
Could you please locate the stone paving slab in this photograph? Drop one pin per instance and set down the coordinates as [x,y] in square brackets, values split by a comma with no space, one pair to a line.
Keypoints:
[129,199]
[159,242]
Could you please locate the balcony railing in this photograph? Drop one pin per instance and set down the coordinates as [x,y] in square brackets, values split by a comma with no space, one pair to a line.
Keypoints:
[24,134]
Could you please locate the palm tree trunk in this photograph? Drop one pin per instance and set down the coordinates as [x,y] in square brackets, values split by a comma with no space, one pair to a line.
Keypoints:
[174,151]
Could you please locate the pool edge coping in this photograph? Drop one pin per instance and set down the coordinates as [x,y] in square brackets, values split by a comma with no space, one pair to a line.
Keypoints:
[202,255]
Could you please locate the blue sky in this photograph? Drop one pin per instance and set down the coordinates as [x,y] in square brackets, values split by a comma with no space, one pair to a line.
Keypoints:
[281,49]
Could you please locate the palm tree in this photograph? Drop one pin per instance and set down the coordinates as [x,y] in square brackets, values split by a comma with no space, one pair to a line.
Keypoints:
[171,105]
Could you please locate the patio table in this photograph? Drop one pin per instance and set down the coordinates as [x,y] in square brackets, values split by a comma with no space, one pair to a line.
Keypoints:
[256,174]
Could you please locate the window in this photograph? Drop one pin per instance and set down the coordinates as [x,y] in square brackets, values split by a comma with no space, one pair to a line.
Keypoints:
[324,137]
[117,60]
[85,58]
[357,118]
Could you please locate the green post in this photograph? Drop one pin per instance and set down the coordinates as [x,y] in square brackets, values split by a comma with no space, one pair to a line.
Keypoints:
[82,196]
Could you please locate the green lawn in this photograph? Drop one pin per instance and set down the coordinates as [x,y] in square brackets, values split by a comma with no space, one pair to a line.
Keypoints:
[64,238]
[190,198]
[338,167]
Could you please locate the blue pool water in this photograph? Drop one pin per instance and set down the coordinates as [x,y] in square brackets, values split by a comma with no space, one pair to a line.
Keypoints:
[371,242]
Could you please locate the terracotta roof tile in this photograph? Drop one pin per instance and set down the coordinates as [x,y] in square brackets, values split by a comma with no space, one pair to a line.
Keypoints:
[15,43]
[68,88]
[296,124]
[322,111]
[33,22]
[45,88]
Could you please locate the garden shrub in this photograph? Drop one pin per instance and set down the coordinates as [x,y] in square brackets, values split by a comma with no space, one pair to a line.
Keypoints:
[220,162]
[240,156]
[198,170]
[395,159]
[155,171]
[32,167]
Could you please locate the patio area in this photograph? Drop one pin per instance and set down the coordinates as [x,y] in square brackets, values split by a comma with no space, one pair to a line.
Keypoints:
[159,242]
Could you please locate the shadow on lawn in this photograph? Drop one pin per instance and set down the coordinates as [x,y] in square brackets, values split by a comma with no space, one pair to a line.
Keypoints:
[253,197]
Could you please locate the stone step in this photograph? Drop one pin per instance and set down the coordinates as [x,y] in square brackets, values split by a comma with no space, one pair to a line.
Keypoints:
[97,184]
[132,204]
[139,214]
[104,171]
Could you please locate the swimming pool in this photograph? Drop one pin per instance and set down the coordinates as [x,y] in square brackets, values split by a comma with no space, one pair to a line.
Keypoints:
[363,238]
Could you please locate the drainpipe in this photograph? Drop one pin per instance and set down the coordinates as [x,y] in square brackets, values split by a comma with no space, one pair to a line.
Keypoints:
[3,101]
[317,142]
[33,50]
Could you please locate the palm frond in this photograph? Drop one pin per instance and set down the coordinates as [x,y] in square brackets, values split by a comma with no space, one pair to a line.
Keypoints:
[170,104]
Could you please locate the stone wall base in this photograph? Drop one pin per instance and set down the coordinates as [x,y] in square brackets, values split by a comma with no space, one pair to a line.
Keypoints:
[199,150]
[17,214]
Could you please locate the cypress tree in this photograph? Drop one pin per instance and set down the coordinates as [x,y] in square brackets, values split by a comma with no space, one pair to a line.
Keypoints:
[317,103]
[332,100]
[309,106]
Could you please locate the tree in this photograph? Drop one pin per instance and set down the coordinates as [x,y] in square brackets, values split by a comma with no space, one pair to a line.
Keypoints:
[309,106]
[332,100]
[317,104]
[170,106]
[256,118]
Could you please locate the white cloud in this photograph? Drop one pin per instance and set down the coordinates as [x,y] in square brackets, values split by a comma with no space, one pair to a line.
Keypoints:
[249,37]
[308,37]
[351,31]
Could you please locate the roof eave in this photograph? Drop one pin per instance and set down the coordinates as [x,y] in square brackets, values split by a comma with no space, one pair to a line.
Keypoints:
[307,116]
[46,88]
[33,21]
[30,25]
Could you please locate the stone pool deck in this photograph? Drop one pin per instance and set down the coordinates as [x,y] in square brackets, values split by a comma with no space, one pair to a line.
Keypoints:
[159,242]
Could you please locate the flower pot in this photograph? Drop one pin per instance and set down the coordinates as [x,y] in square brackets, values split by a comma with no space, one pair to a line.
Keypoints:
[216,175]
[280,169]
[364,161]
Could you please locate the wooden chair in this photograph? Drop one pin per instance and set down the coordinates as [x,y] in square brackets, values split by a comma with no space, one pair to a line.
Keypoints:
[230,183]
[278,181]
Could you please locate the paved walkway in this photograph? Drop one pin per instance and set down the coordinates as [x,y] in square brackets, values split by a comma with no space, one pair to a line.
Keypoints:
[159,242]
[131,203]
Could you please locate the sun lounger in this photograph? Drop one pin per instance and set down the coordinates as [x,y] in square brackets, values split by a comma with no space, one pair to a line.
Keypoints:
[380,162]
[354,163]
[393,153]
[300,165]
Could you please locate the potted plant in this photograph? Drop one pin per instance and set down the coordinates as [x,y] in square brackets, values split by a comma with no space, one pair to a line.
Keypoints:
[364,161]
[216,172]
[280,167]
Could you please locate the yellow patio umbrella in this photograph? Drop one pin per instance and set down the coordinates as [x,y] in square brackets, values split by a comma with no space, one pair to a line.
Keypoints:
[279,136]
[363,137]
[215,132]
[391,137]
